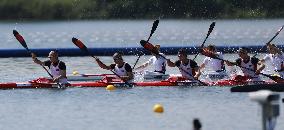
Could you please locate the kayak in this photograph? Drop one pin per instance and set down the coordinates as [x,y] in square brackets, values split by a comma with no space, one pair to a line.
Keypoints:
[240,80]
[113,80]
[27,85]
[147,75]
[85,77]
[240,88]
[107,80]
[23,85]
[150,75]
[213,75]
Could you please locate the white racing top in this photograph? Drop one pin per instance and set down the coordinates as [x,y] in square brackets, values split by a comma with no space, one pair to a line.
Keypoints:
[277,62]
[214,64]
[159,63]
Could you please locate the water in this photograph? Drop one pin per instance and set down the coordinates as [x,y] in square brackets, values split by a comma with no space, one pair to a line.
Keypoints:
[128,33]
[89,108]
[124,109]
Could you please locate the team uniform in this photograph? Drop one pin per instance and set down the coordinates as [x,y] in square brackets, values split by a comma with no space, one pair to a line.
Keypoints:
[216,67]
[277,62]
[159,63]
[249,75]
[55,70]
[121,71]
[187,70]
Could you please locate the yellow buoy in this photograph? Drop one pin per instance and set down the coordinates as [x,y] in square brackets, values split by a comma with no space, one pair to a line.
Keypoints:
[158,108]
[75,73]
[110,87]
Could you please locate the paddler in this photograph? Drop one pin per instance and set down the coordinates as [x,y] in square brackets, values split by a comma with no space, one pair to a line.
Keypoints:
[119,67]
[245,61]
[215,66]
[188,68]
[57,68]
[276,57]
[158,62]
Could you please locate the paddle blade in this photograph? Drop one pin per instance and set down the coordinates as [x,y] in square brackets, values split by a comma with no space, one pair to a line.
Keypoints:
[20,39]
[148,46]
[211,28]
[79,44]
[208,33]
[154,27]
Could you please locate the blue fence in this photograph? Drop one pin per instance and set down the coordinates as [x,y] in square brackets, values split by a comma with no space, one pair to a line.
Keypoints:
[125,51]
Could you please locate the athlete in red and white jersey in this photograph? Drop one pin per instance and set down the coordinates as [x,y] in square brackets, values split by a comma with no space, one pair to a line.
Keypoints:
[216,67]
[56,67]
[276,57]
[188,68]
[250,66]
[158,62]
[120,68]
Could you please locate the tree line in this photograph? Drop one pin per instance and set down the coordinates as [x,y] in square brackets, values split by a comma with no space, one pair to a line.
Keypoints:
[139,9]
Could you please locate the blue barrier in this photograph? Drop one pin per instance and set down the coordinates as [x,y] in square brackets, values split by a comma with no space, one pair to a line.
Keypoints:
[125,51]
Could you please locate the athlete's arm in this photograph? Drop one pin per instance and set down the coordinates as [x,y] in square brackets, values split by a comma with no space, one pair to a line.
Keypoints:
[36,60]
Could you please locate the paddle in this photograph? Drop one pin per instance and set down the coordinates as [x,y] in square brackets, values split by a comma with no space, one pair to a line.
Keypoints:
[24,44]
[83,48]
[81,45]
[148,46]
[154,27]
[208,33]
[136,61]
[276,34]
[275,78]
